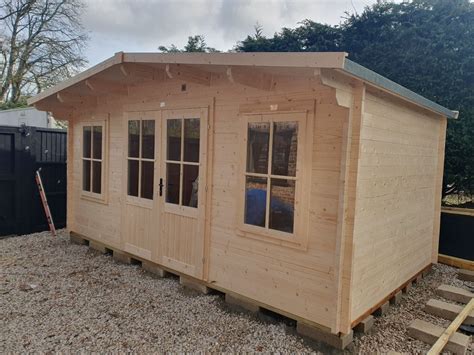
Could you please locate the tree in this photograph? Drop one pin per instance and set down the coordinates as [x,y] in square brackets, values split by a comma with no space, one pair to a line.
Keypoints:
[310,36]
[425,45]
[42,42]
[195,43]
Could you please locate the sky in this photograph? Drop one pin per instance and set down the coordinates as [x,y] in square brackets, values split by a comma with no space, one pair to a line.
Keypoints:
[143,25]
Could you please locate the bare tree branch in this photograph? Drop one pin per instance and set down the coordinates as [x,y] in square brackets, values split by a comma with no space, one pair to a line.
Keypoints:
[42,42]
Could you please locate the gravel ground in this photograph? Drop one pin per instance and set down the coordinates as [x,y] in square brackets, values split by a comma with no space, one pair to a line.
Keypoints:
[56,296]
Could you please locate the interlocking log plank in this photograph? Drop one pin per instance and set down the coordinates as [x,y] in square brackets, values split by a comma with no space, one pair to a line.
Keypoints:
[453,293]
[447,310]
[430,333]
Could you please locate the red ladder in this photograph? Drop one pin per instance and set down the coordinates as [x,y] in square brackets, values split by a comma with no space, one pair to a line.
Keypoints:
[39,182]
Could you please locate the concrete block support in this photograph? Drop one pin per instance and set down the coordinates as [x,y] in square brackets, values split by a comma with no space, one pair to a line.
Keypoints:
[418,279]
[155,270]
[75,239]
[396,299]
[98,247]
[240,303]
[455,294]
[194,285]
[383,309]
[122,257]
[365,325]
[447,311]
[335,340]
[466,275]
[407,287]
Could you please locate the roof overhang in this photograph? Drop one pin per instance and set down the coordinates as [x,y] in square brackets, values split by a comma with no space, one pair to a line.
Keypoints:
[315,60]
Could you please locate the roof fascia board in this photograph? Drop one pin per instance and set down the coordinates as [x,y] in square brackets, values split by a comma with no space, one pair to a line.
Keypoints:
[267,59]
[371,77]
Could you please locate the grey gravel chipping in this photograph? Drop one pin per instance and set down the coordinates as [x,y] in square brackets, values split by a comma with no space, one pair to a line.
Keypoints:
[60,297]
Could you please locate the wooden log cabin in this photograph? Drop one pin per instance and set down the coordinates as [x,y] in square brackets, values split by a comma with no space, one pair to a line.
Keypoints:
[302,183]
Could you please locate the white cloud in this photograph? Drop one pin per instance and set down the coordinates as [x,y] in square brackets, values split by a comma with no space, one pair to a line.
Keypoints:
[143,25]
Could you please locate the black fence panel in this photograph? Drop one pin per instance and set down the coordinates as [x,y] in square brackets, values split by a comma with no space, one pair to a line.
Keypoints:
[23,150]
[457,235]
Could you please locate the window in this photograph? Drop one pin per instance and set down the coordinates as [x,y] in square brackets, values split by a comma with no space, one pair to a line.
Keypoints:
[182,161]
[271,174]
[92,159]
[141,158]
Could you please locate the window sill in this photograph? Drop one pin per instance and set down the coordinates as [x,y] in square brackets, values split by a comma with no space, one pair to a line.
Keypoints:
[92,197]
[274,237]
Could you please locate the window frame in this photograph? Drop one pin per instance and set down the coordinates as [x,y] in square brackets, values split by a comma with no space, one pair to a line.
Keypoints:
[297,239]
[90,195]
[183,114]
[138,200]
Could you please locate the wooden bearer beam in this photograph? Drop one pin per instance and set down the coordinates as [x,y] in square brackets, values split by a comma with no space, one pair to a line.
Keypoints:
[456,262]
[250,77]
[187,73]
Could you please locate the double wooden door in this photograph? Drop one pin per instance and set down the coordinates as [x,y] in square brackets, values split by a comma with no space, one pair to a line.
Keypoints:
[165,192]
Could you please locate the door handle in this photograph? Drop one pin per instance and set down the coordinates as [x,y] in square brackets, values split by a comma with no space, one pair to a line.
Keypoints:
[161,186]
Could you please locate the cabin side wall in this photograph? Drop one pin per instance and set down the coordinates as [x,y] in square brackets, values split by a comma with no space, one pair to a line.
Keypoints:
[398,193]
[299,281]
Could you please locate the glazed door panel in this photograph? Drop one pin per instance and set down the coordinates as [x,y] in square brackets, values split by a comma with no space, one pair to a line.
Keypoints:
[141,217]
[182,189]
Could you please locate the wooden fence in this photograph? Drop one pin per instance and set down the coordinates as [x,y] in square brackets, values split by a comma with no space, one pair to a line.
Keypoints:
[456,242]
[23,150]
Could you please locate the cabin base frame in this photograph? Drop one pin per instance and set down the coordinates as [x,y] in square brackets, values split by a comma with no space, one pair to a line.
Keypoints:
[305,327]
[238,302]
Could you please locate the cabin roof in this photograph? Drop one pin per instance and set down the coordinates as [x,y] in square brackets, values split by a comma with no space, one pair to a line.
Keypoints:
[306,60]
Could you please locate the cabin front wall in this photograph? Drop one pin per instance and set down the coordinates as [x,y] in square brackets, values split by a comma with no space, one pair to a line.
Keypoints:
[298,280]
[397,200]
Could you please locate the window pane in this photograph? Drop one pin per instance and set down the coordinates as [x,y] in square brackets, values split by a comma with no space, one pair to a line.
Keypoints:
[148,139]
[285,142]
[147,180]
[282,205]
[97,142]
[191,140]
[86,142]
[190,185]
[257,147]
[132,186]
[173,133]
[96,177]
[172,183]
[86,175]
[255,200]
[133,138]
